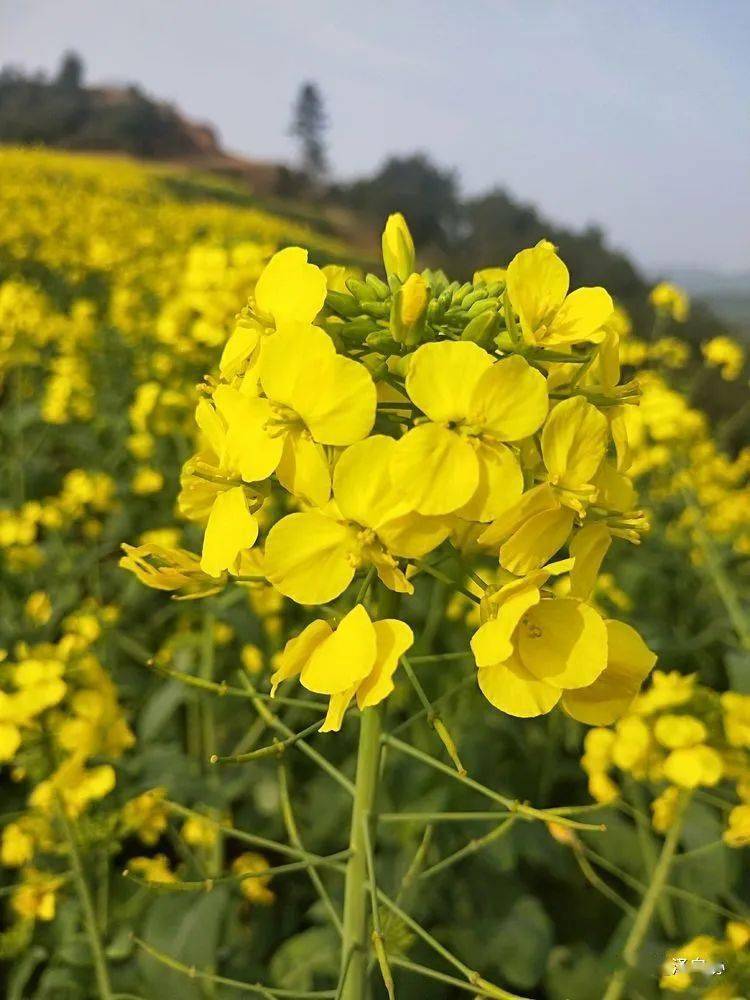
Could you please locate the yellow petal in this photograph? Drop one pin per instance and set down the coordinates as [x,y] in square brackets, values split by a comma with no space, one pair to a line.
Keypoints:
[298,651]
[238,349]
[230,529]
[413,535]
[534,501]
[582,313]
[212,425]
[442,378]
[289,288]
[488,275]
[310,557]
[304,470]
[338,406]
[629,661]
[435,469]
[509,401]
[615,491]
[536,541]
[248,446]
[337,706]
[362,482]
[564,642]
[393,639]
[500,482]
[588,548]
[574,441]
[537,283]
[291,360]
[398,247]
[510,687]
[389,572]
[344,658]
[492,642]
[10,741]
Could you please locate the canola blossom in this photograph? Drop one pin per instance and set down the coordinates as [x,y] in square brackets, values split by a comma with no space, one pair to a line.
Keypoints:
[392,429]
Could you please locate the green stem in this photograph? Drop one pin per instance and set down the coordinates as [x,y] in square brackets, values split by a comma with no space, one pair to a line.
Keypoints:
[206,673]
[649,855]
[89,914]
[292,830]
[642,922]
[356,894]
[723,583]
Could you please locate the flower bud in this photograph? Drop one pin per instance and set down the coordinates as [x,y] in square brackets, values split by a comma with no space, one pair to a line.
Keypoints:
[409,310]
[482,329]
[398,247]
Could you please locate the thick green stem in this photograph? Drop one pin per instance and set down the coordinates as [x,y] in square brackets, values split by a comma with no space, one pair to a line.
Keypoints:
[87,905]
[356,894]
[643,917]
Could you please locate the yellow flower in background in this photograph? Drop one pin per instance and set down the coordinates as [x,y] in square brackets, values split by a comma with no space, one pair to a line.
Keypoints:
[199,831]
[18,845]
[146,815]
[147,481]
[678,731]
[74,785]
[154,869]
[254,884]
[38,607]
[538,282]
[459,460]
[736,709]
[35,898]
[631,745]
[398,248]
[737,833]
[668,298]
[726,355]
[358,659]
[666,691]
[664,809]
[691,767]
[312,556]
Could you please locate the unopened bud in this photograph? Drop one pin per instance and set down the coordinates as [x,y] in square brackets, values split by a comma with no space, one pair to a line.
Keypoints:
[410,310]
[482,329]
[398,247]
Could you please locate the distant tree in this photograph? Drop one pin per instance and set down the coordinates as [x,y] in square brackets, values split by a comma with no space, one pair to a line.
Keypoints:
[70,74]
[425,193]
[309,123]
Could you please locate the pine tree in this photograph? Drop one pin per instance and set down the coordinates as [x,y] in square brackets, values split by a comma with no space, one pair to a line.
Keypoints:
[308,126]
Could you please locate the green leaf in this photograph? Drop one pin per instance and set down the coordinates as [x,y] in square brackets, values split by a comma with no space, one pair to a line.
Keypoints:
[302,957]
[522,943]
[159,708]
[23,971]
[188,930]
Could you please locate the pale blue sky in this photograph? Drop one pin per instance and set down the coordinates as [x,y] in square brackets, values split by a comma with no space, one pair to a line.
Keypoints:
[634,115]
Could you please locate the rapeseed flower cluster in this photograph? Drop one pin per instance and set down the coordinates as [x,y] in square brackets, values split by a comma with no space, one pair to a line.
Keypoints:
[677,736]
[361,427]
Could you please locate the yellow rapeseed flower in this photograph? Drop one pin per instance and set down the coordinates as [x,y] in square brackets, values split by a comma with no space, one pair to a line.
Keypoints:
[459,459]
[358,658]
[538,282]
